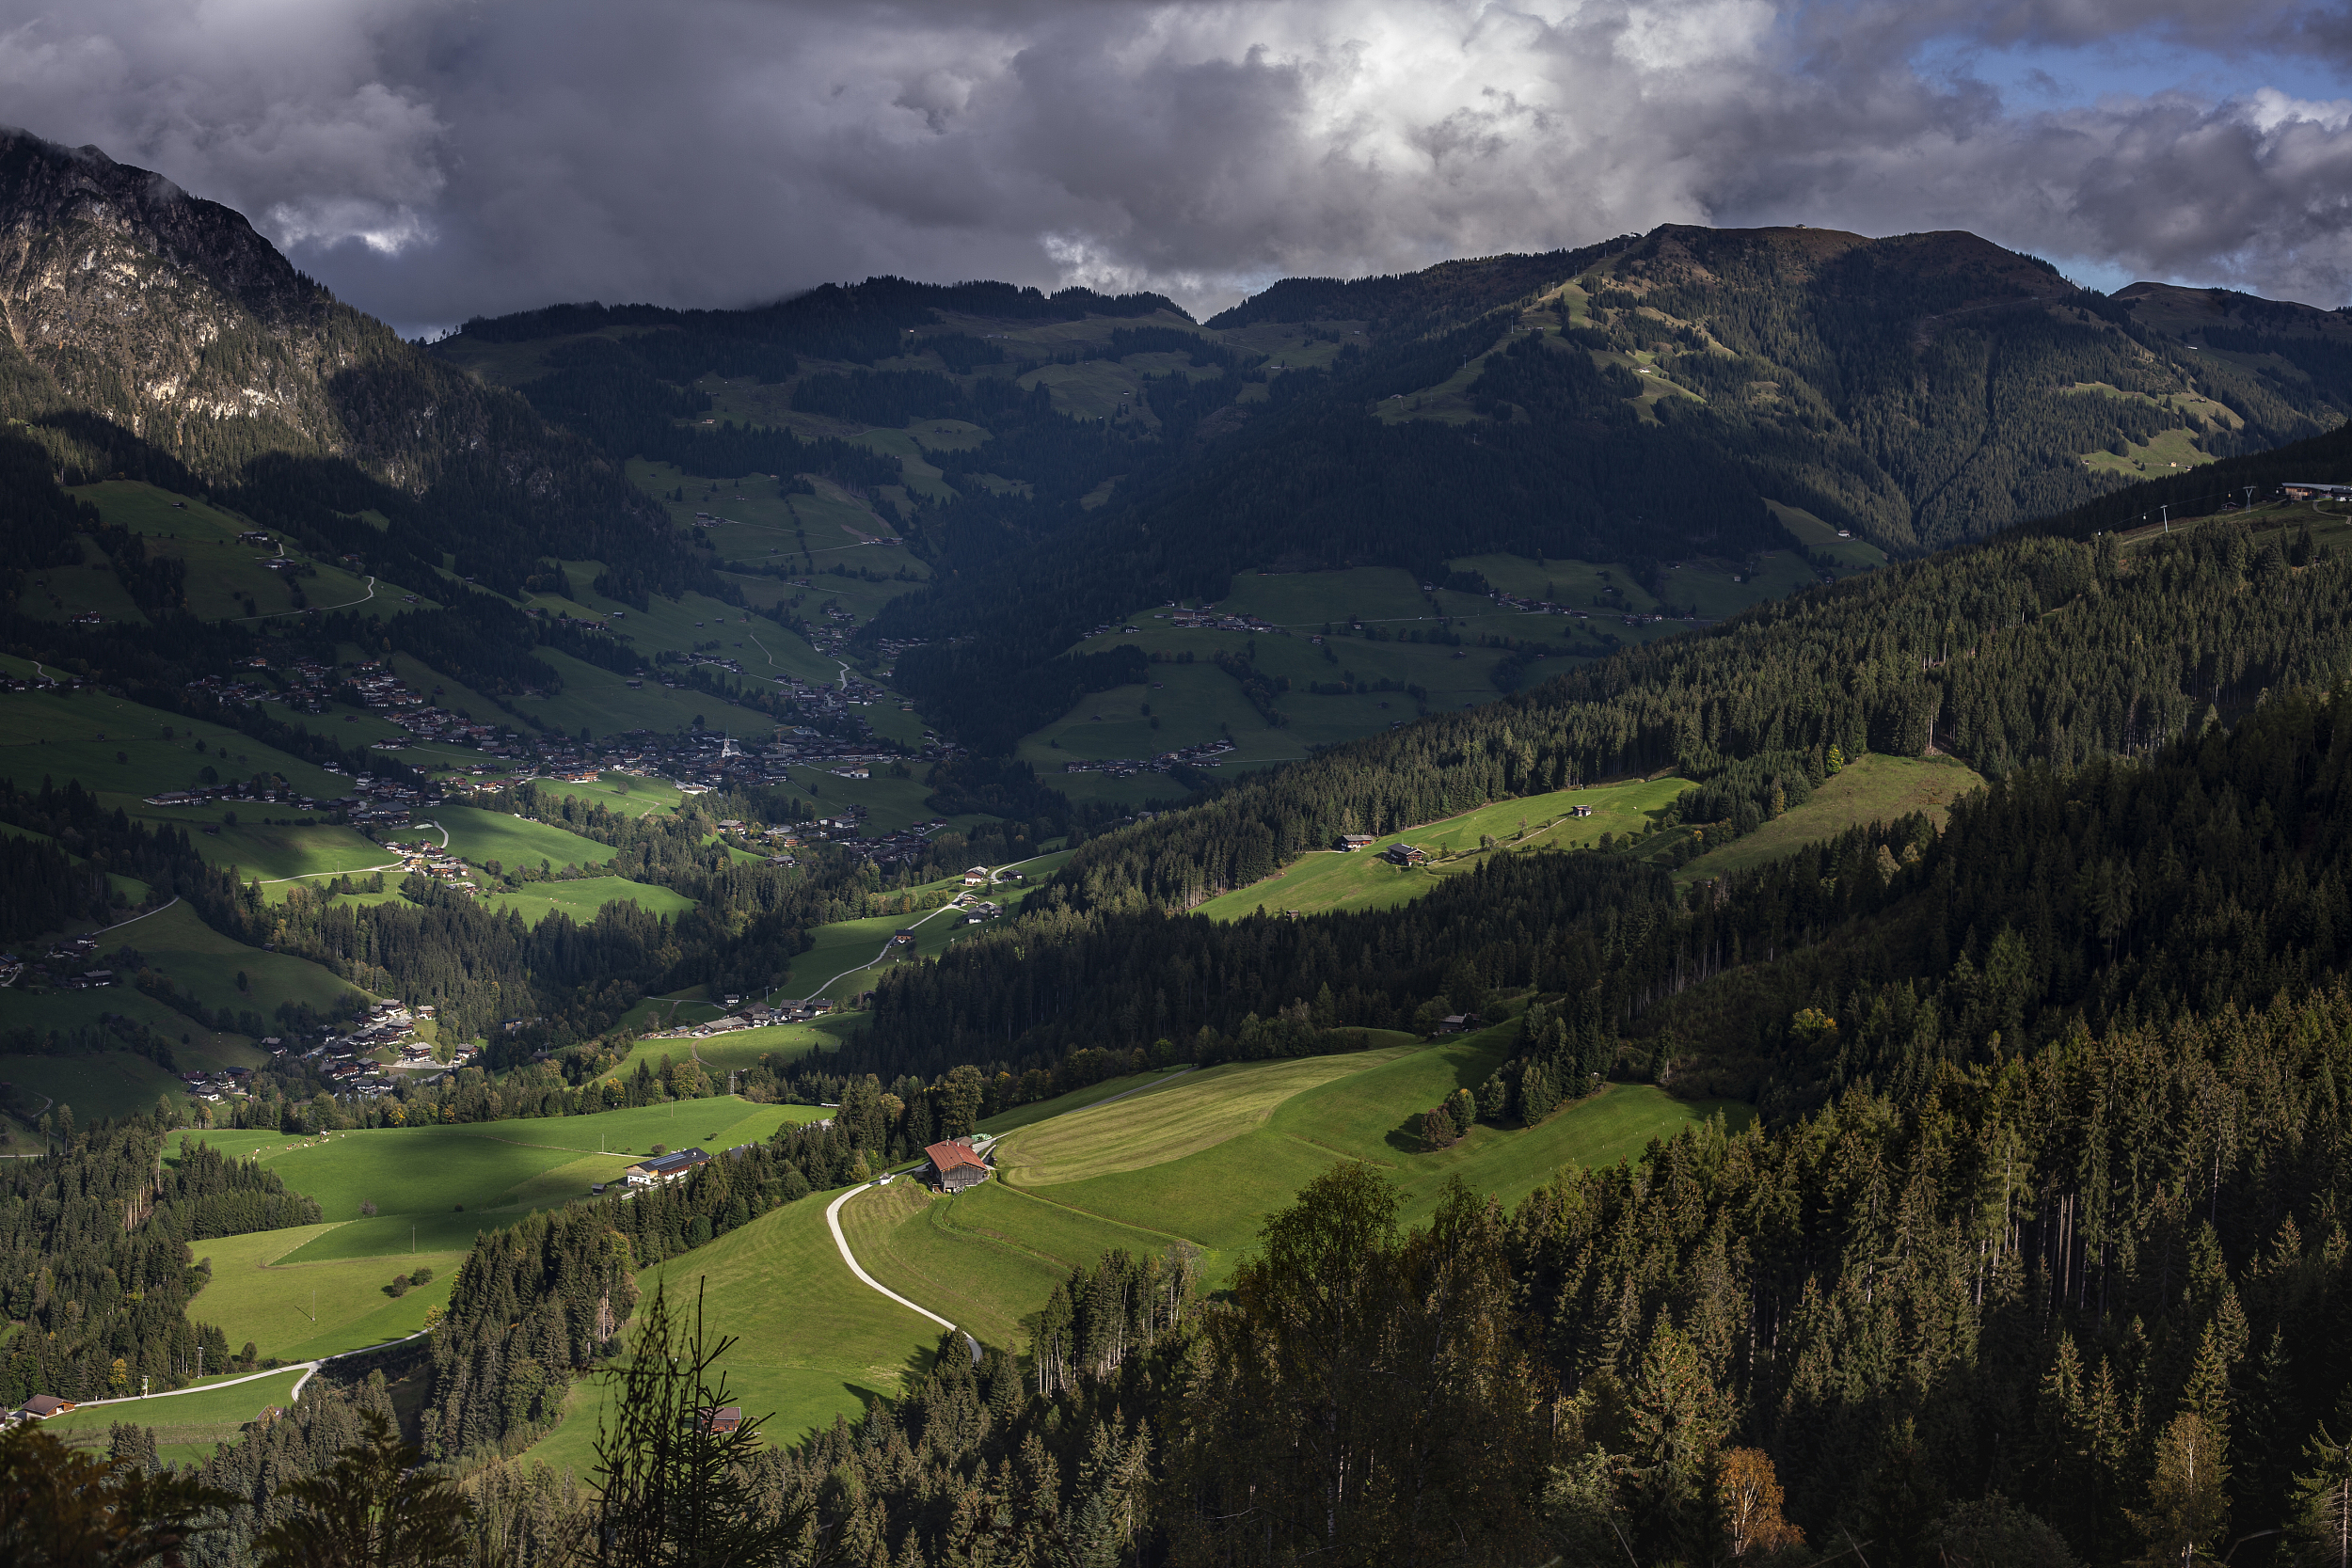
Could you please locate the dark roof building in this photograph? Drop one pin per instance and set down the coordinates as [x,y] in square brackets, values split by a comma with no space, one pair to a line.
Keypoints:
[666,1168]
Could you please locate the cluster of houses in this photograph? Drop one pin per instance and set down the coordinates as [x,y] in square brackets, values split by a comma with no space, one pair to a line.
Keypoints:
[37,683]
[427,721]
[348,1060]
[844,831]
[308,682]
[383,690]
[1210,619]
[386,1023]
[832,639]
[832,699]
[303,684]
[743,1015]
[65,966]
[426,858]
[382,802]
[244,693]
[240,793]
[694,762]
[1209,753]
[215,1086]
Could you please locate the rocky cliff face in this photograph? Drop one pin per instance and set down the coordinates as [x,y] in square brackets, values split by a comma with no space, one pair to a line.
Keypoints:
[124,296]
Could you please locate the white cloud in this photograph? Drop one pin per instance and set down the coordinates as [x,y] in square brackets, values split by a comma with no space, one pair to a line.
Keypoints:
[433,158]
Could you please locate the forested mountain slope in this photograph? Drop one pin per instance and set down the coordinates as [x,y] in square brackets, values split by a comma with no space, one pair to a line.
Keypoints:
[2031,648]
[1928,388]
[2113,893]
[1063,462]
[1919,391]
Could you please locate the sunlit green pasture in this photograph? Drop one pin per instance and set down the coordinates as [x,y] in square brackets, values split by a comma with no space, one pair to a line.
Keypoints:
[1366,879]
[434,1187]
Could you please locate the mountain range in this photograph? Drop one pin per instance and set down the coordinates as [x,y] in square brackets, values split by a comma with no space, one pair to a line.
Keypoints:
[1650,399]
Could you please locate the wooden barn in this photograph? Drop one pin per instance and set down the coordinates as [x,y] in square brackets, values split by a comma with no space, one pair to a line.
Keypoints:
[955,1166]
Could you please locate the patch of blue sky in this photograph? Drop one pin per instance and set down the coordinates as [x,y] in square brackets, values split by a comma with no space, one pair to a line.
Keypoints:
[2042,76]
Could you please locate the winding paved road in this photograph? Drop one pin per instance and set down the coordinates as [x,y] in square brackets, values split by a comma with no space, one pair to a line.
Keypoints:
[355,871]
[136,918]
[308,1369]
[280,614]
[841,1242]
[833,1220]
[994,875]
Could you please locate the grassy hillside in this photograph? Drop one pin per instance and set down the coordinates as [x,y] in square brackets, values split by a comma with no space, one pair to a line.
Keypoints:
[435,1187]
[1207,1157]
[1325,880]
[862,949]
[1868,789]
[201,962]
[813,1343]
[1079,1099]
[1200,1156]
[1349,631]
[118,748]
[846,956]
[109,1084]
[1853,555]
[743,1047]
[483,836]
[297,1311]
[187,1426]
[227,580]
[581,900]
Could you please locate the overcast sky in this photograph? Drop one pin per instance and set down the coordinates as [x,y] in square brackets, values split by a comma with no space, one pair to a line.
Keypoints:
[436,159]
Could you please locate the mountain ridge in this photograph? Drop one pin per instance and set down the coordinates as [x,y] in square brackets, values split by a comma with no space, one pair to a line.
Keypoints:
[1640,400]
[156,334]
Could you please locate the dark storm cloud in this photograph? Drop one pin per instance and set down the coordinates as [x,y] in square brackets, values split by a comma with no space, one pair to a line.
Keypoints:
[437,160]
